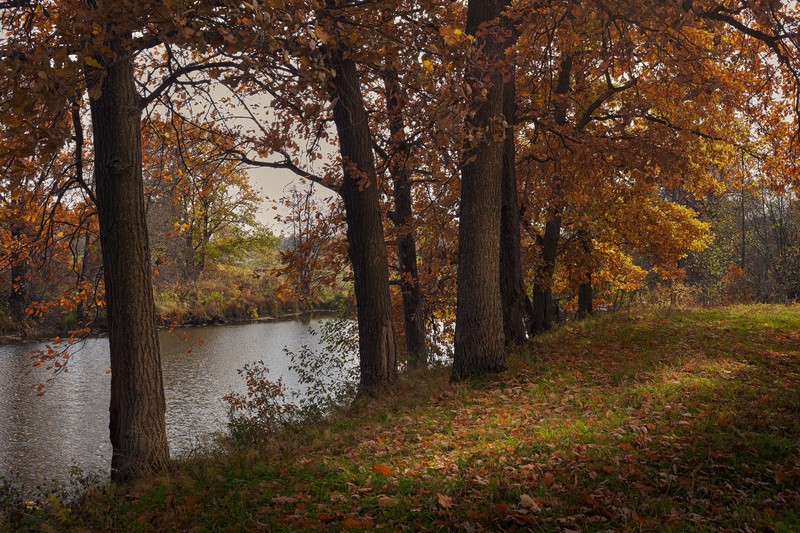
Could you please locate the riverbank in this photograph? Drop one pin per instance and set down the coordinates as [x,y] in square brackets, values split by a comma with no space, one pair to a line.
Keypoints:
[44,334]
[650,421]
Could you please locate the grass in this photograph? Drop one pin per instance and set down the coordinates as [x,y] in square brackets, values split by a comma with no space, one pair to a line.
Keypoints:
[661,420]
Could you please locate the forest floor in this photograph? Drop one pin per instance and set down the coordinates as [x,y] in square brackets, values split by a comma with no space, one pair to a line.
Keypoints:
[656,420]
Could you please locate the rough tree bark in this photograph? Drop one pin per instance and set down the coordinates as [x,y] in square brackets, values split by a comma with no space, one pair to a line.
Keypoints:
[479,340]
[413,315]
[516,306]
[366,245]
[544,308]
[137,425]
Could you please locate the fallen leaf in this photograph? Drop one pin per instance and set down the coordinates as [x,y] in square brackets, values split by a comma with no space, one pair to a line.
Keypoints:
[548,480]
[529,502]
[445,501]
[387,501]
[382,469]
[357,523]
[190,502]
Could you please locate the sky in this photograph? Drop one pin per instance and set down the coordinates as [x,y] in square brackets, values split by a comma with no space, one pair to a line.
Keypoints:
[272,184]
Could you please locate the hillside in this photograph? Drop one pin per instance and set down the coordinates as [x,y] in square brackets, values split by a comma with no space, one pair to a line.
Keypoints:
[658,420]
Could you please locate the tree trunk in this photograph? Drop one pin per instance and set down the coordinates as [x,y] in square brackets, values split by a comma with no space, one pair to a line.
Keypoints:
[83,276]
[479,340]
[138,429]
[18,300]
[366,245]
[585,306]
[512,285]
[413,316]
[544,308]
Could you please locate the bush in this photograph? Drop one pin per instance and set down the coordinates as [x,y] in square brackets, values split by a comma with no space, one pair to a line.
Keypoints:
[256,415]
[329,379]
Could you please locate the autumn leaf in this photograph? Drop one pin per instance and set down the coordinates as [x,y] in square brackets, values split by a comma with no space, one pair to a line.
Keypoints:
[92,62]
[190,502]
[445,501]
[530,503]
[382,469]
[387,501]
[357,523]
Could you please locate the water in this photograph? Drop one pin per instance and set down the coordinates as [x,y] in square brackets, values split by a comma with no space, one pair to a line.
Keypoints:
[42,437]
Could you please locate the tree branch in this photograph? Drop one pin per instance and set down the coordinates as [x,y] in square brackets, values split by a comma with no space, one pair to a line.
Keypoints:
[175,75]
[286,164]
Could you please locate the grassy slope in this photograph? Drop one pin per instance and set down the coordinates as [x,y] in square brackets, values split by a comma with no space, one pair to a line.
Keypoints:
[653,421]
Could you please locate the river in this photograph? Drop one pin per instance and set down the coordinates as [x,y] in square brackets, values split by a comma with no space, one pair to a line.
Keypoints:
[42,438]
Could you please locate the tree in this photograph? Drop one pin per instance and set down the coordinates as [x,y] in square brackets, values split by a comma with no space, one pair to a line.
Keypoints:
[193,189]
[479,341]
[367,249]
[66,50]
[399,162]
[315,254]
[516,305]
[137,424]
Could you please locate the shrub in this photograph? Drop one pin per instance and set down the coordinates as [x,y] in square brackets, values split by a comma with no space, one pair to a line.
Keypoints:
[328,379]
[256,415]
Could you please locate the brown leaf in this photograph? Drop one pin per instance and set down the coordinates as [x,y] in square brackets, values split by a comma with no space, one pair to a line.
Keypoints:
[382,469]
[548,480]
[529,502]
[445,501]
[190,502]
[387,501]
[357,523]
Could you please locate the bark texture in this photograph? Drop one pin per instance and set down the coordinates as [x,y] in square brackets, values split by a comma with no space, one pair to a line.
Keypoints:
[403,218]
[366,245]
[479,339]
[138,429]
[512,285]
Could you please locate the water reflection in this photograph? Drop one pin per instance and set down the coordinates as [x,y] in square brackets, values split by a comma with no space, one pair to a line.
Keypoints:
[42,437]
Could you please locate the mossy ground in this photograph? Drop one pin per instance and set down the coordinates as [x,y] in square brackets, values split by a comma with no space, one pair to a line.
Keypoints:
[657,420]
